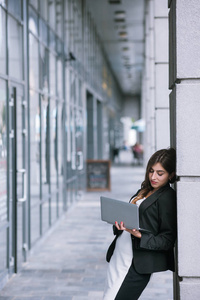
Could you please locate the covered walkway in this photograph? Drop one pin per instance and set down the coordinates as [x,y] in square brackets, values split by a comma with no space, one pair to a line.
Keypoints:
[69,264]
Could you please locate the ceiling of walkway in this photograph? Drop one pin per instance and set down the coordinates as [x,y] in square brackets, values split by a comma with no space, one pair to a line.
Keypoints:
[120,25]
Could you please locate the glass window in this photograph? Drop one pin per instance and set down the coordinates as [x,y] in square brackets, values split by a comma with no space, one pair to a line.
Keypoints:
[3,2]
[52,74]
[3,172]
[15,61]
[2,41]
[44,69]
[45,216]
[35,223]
[45,151]
[52,14]
[54,158]
[80,98]
[60,150]
[54,141]
[35,141]
[15,7]
[66,27]
[52,40]
[59,23]
[33,62]
[59,47]
[73,97]
[44,9]
[33,21]
[3,239]
[35,124]
[3,153]
[59,79]
[43,31]
[34,3]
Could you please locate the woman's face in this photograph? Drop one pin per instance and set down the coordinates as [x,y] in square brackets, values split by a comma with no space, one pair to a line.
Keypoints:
[158,176]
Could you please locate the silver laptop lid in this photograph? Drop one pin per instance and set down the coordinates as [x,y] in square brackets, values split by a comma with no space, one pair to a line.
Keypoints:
[116,210]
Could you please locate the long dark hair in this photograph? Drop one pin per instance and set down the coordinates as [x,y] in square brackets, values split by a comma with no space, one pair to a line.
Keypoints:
[167,158]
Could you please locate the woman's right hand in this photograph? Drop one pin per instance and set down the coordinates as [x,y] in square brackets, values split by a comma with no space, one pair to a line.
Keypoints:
[134,232]
[120,226]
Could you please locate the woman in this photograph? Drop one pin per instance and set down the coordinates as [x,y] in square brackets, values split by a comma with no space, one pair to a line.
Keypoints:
[134,255]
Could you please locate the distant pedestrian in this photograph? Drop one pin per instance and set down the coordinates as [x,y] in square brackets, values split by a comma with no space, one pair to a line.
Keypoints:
[137,150]
[134,255]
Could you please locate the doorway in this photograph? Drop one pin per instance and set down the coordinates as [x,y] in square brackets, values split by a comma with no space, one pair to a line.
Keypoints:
[17,195]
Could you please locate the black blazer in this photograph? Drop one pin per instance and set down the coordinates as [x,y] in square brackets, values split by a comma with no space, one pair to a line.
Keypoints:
[154,251]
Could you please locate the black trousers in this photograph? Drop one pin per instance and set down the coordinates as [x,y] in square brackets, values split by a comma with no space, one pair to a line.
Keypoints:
[133,285]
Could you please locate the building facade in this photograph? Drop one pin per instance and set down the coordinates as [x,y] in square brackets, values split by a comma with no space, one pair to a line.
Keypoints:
[59,105]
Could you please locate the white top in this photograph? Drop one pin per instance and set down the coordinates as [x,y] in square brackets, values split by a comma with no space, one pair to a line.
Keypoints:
[120,263]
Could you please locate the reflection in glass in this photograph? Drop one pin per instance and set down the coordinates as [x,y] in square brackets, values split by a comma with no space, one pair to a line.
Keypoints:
[2,42]
[54,138]
[15,7]
[52,40]
[61,152]
[54,158]
[45,146]
[33,62]
[52,73]
[44,9]
[15,63]
[34,3]
[3,2]
[59,79]
[43,31]
[59,20]
[52,14]
[34,148]
[59,47]
[33,21]
[43,69]
[21,125]
[45,162]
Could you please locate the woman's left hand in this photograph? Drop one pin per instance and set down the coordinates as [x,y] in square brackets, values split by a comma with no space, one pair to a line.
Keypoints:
[134,232]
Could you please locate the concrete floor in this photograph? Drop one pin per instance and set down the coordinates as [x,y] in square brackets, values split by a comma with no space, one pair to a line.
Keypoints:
[69,264]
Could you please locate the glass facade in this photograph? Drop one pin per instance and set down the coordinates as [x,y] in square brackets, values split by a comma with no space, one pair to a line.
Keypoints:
[43,117]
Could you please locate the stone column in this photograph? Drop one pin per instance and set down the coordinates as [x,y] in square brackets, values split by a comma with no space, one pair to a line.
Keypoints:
[148,98]
[184,79]
[155,81]
[162,134]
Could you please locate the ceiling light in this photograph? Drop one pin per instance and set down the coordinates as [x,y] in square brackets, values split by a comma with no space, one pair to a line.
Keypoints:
[114,1]
[125,48]
[119,20]
[123,34]
[123,40]
[120,14]
[125,57]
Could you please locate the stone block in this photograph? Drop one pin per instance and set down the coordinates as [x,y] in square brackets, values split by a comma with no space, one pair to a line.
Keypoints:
[188,212]
[161,85]
[161,40]
[190,290]
[187,39]
[160,8]
[162,128]
[188,129]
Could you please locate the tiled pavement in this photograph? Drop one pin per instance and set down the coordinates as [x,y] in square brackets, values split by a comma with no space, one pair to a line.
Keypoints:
[69,264]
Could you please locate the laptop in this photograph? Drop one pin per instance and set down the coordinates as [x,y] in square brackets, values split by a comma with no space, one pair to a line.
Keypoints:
[113,210]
